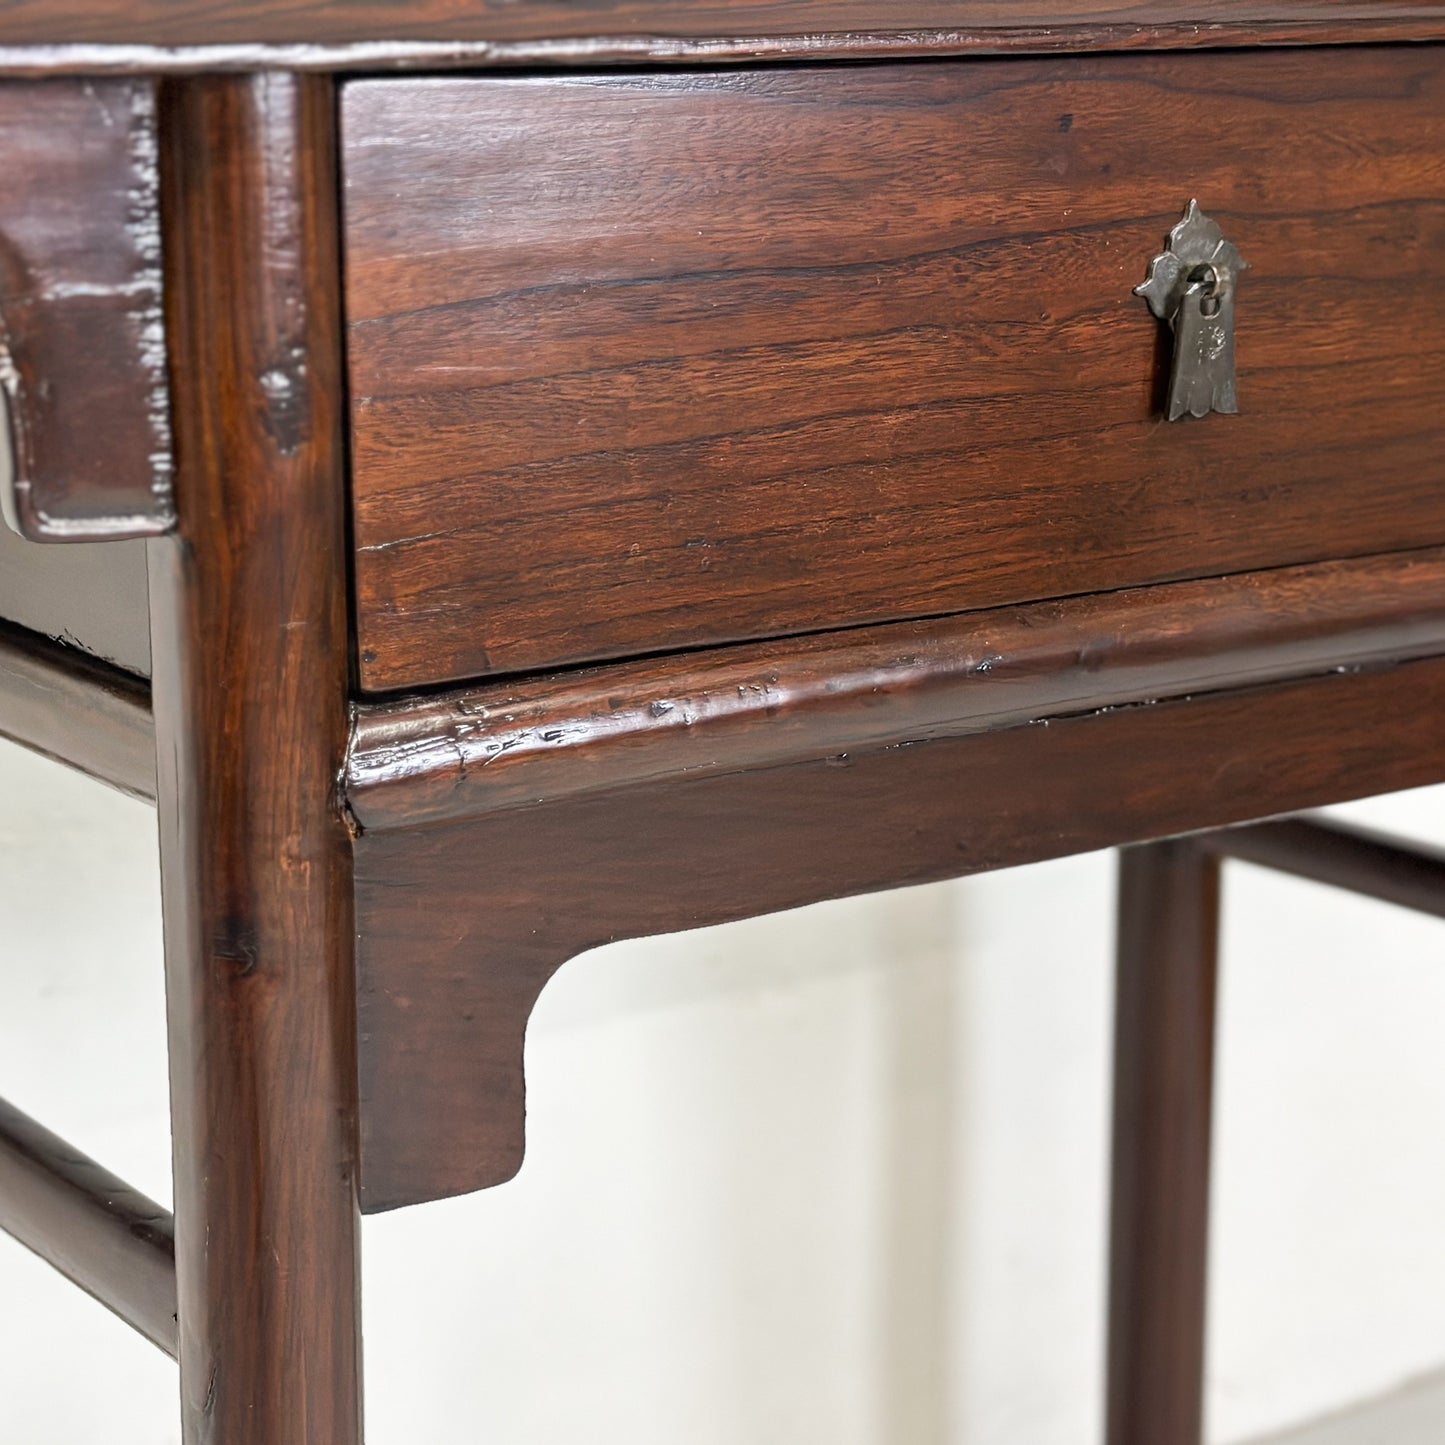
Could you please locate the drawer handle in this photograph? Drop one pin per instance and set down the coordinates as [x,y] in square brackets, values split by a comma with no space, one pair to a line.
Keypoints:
[1191,285]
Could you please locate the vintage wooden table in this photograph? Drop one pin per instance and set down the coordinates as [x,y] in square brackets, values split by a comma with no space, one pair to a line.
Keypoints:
[506,475]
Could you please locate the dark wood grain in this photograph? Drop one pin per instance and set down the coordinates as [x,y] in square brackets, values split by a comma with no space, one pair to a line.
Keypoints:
[92,598]
[461,925]
[101,1234]
[250,700]
[1361,24]
[500,746]
[82,338]
[307,23]
[59,702]
[658,361]
[1168,946]
[1407,874]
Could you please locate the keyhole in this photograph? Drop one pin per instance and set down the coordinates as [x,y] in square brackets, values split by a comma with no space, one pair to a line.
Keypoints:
[1209,281]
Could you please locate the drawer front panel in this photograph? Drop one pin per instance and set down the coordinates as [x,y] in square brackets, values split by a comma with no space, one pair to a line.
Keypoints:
[642,362]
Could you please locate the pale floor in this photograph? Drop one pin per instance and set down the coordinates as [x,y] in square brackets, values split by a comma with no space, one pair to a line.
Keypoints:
[1411,1415]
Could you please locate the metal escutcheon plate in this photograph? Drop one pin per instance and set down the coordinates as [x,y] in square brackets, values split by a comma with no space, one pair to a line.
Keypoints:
[1192,286]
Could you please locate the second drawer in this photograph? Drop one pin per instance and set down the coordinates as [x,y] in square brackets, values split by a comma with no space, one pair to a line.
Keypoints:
[644,362]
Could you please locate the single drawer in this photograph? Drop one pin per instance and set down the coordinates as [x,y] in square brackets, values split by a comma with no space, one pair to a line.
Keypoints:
[644,362]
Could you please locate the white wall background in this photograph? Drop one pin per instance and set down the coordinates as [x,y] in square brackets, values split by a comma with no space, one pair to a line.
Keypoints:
[836,1176]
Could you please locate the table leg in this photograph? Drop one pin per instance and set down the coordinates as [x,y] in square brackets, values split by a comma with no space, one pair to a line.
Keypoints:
[1163,1086]
[250,696]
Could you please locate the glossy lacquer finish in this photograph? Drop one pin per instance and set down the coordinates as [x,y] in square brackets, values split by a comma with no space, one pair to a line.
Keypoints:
[250,705]
[108,1238]
[219,23]
[82,340]
[651,361]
